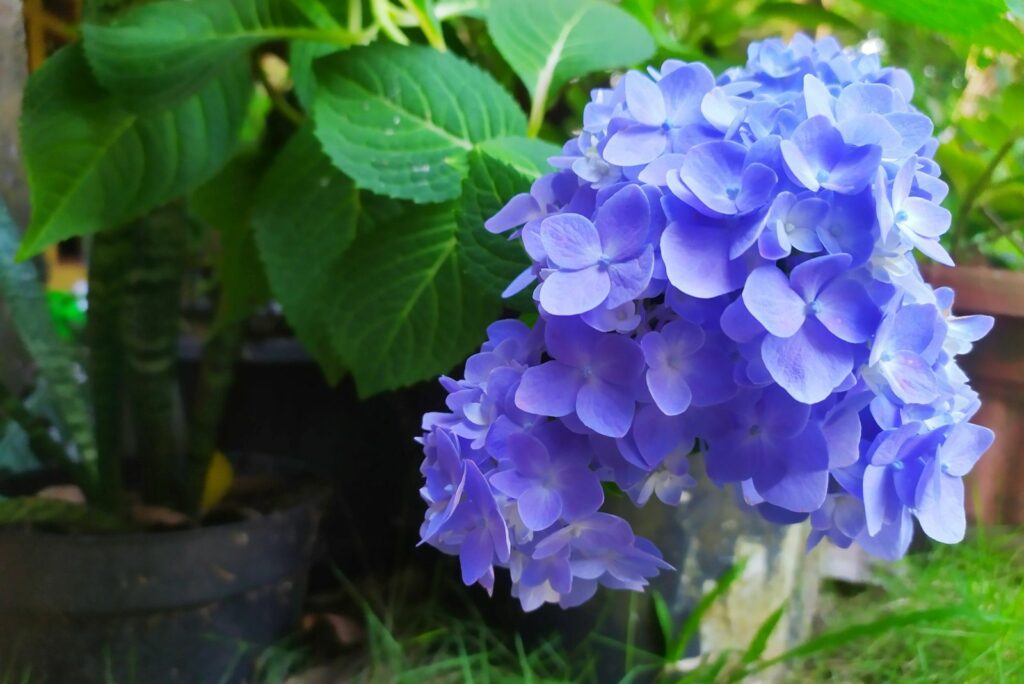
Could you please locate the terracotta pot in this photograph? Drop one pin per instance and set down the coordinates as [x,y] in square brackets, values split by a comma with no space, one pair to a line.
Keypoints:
[996,368]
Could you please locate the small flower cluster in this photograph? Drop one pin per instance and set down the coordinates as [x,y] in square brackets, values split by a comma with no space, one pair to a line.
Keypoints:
[724,267]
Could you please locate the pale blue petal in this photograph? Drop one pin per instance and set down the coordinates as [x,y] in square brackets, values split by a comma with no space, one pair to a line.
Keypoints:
[635,145]
[644,99]
[570,241]
[769,298]
[568,293]
[808,365]
[940,506]
[623,222]
[539,508]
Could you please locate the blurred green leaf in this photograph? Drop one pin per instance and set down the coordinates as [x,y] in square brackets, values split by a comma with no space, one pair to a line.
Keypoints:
[979,22]
[400,121]
[26,300]
[301,55]
[304,220]
[548,43]
[807,16]
[225,204]
[94,165]
[157,54]
[646,12]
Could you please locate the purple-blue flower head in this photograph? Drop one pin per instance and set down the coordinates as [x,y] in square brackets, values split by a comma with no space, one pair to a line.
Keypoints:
[726,270]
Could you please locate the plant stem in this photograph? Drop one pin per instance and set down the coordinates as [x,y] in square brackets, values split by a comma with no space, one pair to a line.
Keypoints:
[355,15]
[216,372]
[277,98]
[382,17]
[109,259]
[152,309]
[1007,233]
[431,30]
[974,192]
[537,110]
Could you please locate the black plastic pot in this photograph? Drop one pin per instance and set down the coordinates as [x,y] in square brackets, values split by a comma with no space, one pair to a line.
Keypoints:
[192,606]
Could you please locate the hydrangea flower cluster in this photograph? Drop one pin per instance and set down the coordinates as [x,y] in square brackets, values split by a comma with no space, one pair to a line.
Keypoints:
[725,267]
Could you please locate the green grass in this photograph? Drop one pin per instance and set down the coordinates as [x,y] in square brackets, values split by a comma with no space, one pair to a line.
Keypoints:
[984,645]
[928,607]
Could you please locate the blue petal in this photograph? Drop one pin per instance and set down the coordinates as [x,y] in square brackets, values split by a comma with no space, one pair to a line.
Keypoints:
[847,311]
[623,222]
[568,293]
[570,241]
[644,99]
[605,408]
[769,298]
[697,260]
[811,277]
[963,447]
[810,364]
[854,170]
[539,508]
[713,172]
[794,474]
[635,145]
[549,389]
[669,389]
[910,378]
[940,506]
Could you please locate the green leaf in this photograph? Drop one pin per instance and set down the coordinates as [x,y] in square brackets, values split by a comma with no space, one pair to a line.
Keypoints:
[760,641]
[93,165]
[157,54]
[873,629]
[491,261]
[664,616]
[808,16]
[981,22]
[692,624]
[225,204]
[26,301]
[548,43]
[304,220]
[400,121]
[528,156]
[649,13]
[301,55]
[405,309]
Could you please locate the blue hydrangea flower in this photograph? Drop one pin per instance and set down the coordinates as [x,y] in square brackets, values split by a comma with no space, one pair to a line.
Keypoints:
[725,275]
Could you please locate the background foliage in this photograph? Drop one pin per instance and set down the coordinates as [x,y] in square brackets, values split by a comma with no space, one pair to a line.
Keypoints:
[338,157]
